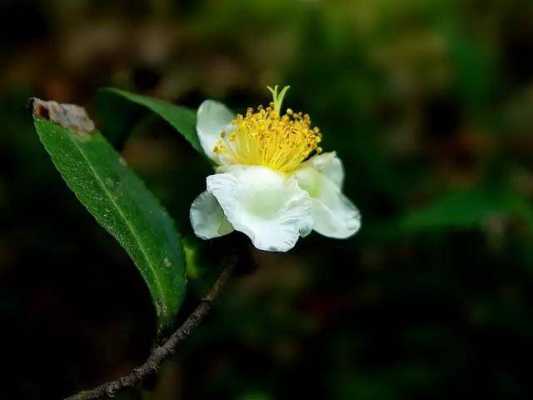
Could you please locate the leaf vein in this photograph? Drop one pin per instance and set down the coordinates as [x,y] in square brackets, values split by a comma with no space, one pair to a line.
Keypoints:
[132,230]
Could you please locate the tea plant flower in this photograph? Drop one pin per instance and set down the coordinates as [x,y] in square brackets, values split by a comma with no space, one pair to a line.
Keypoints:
[272,181]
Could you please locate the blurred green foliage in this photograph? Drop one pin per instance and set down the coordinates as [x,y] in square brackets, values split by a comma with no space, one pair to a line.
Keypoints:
[428,102]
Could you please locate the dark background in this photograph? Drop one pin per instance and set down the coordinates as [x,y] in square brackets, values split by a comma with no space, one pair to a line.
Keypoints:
[428,102]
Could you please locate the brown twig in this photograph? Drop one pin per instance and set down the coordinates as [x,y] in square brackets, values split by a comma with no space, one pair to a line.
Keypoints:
[160,353]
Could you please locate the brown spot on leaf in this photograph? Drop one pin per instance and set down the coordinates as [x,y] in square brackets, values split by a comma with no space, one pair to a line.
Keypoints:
[68,116]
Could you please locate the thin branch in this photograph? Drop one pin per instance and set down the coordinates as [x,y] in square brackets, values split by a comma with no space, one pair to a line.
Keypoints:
[160,353]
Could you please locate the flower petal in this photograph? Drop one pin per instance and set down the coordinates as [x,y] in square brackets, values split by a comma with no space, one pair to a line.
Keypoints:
[328,164]
[334,214]
[337,217]
[207,218]
[265,205]
[212,118]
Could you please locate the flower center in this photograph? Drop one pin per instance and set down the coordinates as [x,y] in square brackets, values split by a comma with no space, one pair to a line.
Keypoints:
[265,137]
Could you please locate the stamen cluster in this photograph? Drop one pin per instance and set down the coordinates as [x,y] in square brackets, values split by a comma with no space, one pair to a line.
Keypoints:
[264,137]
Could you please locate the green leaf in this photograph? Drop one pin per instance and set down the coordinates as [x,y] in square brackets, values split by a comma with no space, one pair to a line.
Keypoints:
[122,204]
[466,209]
[120,110]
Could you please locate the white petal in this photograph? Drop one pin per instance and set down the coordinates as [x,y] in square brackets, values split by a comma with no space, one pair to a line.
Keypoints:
[336,218]
[212,118]
[265,205]
[328,164]
[207,218]
[334,214]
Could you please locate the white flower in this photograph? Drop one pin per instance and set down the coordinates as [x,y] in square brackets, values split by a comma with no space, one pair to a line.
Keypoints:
[265,184]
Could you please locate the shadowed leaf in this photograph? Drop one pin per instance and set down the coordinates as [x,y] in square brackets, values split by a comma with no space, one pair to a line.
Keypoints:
[121,110]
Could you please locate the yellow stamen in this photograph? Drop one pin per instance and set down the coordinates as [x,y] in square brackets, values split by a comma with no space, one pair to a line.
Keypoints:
[264,136]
